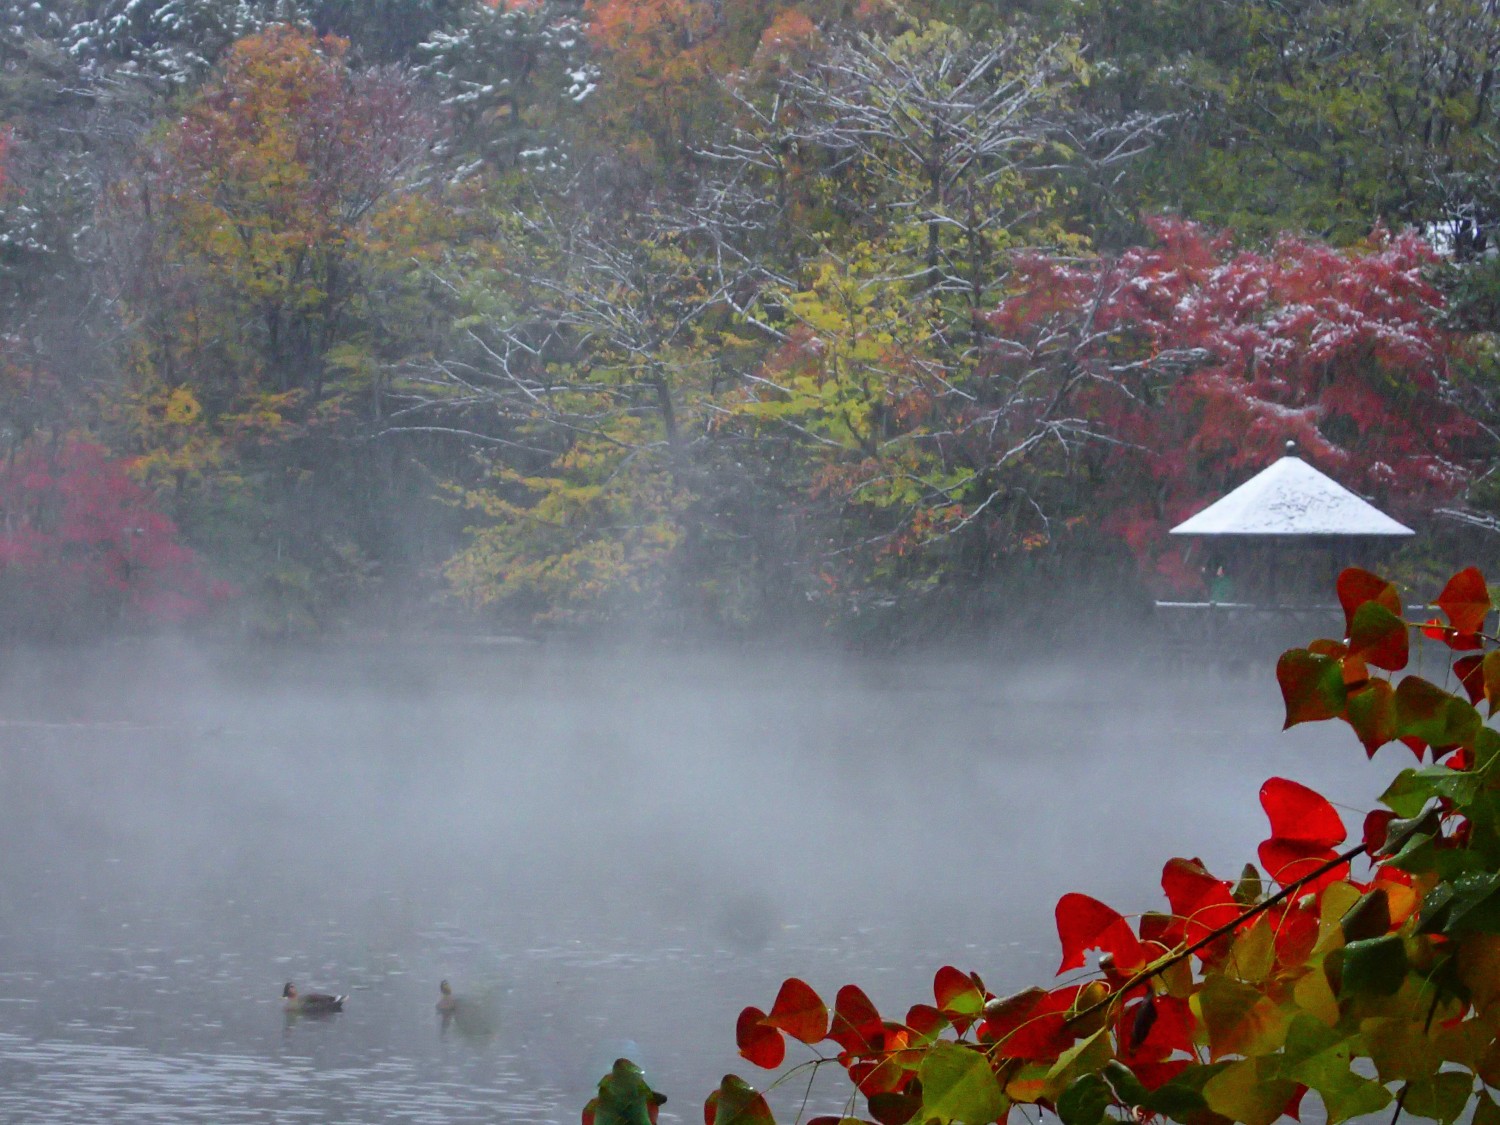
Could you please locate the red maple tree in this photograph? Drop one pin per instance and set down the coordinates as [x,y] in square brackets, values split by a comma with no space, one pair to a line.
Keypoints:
[1204,359]
[82,546]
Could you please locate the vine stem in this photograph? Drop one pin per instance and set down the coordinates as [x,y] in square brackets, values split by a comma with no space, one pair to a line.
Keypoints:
[1157,968]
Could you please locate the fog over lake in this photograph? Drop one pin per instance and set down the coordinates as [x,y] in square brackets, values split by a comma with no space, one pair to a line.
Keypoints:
[617,848]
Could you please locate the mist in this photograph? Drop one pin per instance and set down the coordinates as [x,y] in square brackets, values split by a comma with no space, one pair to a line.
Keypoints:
[619,849]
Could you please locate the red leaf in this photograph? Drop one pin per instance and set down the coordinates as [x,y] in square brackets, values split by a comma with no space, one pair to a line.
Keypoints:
[1466,601]
[895,1108]
[1480,676]
[1154,1075]
[1378,636]
[1200,902]
[889,1068]
[1168,1028]
[1085,923]
[856,1024]
[800,1012]
[1358,587]
[1296,933]
[1287,862]
[1377,824]
[1470,673]
[1030,1025]
[1304,830]
[758,1042]
[1299,815]
[1371,711]
[926,1021]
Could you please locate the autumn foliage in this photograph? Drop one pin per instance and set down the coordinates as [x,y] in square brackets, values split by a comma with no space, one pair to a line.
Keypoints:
[1206,357]
[1365,973]
[83,543]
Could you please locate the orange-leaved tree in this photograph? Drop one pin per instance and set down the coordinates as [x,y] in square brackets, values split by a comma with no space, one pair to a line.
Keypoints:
[1366,973]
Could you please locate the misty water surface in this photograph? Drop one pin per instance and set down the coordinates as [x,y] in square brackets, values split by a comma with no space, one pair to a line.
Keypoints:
[622,849]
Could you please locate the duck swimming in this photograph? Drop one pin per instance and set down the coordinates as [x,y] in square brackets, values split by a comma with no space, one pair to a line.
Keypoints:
[473,1016]
[310,1003]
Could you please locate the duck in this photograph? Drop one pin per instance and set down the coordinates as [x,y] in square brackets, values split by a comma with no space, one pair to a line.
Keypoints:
[472,1015]
[310,1003]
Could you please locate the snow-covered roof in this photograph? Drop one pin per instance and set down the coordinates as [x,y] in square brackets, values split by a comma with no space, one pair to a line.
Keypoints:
[1291,498]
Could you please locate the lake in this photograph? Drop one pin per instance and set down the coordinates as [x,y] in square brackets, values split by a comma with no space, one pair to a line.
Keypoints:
[616,850]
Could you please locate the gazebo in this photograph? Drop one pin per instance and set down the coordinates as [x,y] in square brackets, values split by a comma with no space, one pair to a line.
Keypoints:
[1274,546]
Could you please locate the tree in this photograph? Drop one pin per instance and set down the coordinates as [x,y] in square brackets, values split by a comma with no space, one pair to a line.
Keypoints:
[1241,997]
[268,250]
[509,74]
[1201,360]
[1313,116]
[83,547]
[899,176]
[588,380]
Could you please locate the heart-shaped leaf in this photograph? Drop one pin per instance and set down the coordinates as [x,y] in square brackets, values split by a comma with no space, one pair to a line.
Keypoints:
[757,1040]
[1357,587]
[1378,636]
[800,1012]
[959,1085]
[856,1025]
[1466,601]
[959,995]
[1085,923]
[736,1102]
[1312,686]
[1371,711]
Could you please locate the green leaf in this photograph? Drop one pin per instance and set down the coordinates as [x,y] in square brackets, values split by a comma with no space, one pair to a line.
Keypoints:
[1486,1112]
[1312,686]
[1248,889]
[1374,967]
[1085,1101]
[1467,904]
[1436,717]
[1407,795]
[1439,1097]
[1240,1018]
[1250,1091]
[1345,1094]
[736,1102]
[1320,1057]
[625,1098]
[959,1085]
[1088,1054]
[1129,1089]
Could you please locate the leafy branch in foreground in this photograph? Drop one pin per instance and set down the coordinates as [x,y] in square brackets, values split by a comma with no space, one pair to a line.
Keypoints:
[1240,998]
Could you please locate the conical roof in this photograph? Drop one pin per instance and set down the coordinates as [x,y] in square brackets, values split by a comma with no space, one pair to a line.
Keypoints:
[1291,498]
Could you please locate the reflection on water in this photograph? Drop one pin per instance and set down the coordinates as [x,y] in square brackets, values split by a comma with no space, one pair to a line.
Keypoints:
[607,856]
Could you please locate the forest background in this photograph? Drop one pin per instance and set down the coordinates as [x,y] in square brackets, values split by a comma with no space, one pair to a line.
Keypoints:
[728,315]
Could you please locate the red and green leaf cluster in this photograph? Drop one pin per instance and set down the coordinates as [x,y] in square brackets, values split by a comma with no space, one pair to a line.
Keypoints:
[1240,998]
